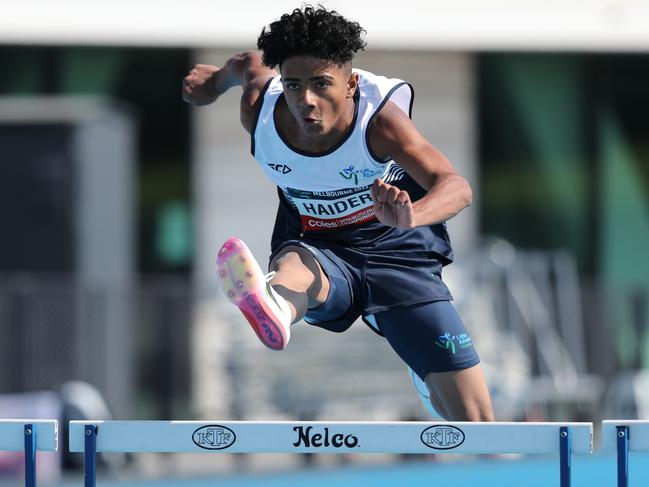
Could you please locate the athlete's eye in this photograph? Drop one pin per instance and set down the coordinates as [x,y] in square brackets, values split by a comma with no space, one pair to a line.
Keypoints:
[321,84]
[291,86]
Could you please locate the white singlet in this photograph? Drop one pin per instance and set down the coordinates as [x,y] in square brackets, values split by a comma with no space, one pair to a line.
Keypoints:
[330,190]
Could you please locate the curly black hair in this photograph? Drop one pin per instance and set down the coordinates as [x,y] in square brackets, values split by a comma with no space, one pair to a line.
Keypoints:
[311,31]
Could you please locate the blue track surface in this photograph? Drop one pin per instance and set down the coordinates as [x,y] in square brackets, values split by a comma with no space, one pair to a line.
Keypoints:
[587,471]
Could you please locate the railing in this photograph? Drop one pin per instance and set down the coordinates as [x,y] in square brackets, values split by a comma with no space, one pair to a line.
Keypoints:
[55,330]
[531,302]
[521,307]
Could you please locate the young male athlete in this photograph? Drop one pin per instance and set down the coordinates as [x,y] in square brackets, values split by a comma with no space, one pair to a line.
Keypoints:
[363,198]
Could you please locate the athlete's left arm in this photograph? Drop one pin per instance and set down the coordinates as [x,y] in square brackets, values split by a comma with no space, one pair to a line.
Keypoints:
[393,135]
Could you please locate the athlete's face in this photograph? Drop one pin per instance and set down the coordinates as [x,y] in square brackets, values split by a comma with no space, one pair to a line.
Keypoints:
[319,95]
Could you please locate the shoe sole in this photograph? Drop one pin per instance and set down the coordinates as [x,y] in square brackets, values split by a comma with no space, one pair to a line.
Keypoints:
[243,286]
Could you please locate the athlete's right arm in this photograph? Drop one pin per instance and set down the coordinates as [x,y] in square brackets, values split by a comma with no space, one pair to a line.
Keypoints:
[205,83]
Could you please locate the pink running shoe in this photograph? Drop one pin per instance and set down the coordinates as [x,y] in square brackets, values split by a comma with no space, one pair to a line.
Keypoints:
[245,284]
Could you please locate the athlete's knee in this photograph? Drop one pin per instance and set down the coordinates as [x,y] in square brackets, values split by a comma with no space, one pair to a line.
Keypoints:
[475,410]
[464,394]
[294,259]
[438,405]
[302,267]
[463,408]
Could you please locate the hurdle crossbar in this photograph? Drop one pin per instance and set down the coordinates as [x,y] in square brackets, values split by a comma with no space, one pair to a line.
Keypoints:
[29,435]
[624,436]
[92,437]
[329,437]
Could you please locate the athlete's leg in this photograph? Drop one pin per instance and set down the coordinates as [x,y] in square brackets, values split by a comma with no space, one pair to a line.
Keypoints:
[463,394]
[433,341]
[431,402]
[299,279]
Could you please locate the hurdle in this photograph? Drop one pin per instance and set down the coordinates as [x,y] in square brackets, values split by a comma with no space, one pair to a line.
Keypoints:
[29,435]
[92,437]
[624,436]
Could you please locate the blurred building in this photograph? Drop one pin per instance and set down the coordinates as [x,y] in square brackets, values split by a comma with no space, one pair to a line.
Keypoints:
[541,105]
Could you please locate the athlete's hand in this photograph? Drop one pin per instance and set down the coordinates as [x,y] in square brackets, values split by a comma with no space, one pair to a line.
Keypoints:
[199,85]
[392,205]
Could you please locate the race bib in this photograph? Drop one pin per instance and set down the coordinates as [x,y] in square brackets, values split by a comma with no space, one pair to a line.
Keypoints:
[329,210]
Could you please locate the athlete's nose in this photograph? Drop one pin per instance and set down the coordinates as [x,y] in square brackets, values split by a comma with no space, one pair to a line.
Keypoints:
[308,99]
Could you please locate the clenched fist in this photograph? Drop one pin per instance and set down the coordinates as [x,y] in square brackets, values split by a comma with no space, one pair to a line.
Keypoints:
[199,86]
[392,205]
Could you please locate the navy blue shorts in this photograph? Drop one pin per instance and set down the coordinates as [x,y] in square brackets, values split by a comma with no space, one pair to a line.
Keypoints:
[413,311]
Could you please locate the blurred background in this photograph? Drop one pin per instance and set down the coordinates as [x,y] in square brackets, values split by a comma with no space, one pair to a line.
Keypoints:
[115,197]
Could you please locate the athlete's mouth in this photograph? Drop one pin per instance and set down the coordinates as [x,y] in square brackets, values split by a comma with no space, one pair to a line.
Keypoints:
[310,120]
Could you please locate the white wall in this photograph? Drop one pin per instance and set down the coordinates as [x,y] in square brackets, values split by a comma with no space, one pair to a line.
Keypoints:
[591,25]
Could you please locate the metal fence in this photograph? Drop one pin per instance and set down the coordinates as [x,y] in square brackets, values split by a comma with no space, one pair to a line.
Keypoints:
[52,330]
[524,310]
[526,307]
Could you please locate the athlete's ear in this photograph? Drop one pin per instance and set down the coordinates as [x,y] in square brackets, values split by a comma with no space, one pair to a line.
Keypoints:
[352,84]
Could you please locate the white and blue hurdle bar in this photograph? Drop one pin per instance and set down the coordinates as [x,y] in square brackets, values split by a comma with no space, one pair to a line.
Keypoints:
[92,437]
[29,436]
[624,436]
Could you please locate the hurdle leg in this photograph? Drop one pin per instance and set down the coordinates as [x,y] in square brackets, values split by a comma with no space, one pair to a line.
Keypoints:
[90,456]
[30,456]
[564,456]
[622,456]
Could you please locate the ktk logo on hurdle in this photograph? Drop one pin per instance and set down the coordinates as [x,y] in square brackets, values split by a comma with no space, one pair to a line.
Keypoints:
[305,437]
[214,437]
[442,437]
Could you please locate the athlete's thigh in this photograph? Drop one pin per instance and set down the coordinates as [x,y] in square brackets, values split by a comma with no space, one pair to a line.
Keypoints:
[335,311]
[463,393]
[429,337]
[432,339]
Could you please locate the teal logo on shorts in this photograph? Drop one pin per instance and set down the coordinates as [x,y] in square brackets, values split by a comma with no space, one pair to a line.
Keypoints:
[453,342]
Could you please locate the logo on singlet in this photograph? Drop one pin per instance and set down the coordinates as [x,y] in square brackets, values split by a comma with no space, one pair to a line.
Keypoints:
[281,168]
[352,174]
